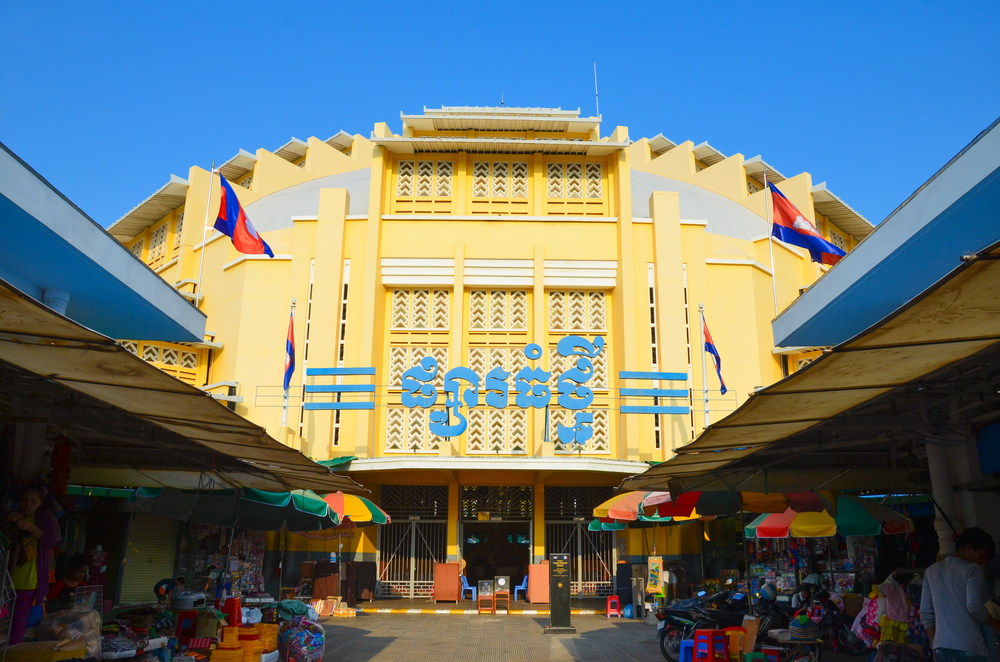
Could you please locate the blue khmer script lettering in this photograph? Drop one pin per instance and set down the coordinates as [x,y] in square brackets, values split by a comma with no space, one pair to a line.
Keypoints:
[531,385]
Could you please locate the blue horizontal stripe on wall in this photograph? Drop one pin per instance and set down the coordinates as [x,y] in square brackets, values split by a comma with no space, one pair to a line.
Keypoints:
[671,376]
[651,392]
[340,388]
[338,372]
[629,409]
[339,405]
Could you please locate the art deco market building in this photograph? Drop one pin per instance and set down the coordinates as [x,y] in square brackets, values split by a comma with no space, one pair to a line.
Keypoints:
[470,235]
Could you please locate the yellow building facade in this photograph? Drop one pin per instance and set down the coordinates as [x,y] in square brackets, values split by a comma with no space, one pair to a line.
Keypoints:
[473,234]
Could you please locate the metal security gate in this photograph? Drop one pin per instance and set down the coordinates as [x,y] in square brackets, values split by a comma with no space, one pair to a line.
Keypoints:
[592,556]
[407,553]
[150,553]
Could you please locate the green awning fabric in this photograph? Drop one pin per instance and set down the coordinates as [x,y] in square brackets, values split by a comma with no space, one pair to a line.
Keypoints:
[299,510]
[336,461]
[853,520]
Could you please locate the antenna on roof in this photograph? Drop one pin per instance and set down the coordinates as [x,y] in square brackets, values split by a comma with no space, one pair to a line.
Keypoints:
[597,101]
[501,99]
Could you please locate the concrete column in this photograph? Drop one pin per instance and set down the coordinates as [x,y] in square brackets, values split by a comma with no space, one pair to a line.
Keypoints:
[540,330]
[29,446]
[538,523]
[453,515]
[456,347]
[944,495]
[325,324]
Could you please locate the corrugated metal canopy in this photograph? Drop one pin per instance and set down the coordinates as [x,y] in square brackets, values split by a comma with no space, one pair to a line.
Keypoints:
[342,141]
[136,425]
[659,144]
[238,166]
[859,416]
[708,154]
[756,167]
[292,150]
[497,146]
[840,212]
[168,197]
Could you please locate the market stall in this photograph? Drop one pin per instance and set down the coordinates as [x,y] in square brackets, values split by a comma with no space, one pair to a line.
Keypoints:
[784,548]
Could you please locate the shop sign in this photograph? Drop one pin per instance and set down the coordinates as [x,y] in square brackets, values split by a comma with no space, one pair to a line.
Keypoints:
[531,385]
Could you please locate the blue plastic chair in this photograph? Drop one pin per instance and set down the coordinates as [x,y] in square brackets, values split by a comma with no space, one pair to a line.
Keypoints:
[687,650]
[466,587]
[523,588]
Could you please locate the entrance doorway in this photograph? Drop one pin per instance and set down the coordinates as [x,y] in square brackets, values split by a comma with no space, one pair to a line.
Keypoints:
[496,549]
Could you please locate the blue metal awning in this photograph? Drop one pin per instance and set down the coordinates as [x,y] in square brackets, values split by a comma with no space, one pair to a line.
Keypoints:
[50,244]
[956,213]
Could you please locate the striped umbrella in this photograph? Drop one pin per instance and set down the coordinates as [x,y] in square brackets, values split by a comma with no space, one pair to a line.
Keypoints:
[356,509]
[728,503]
[619,510]
[628,506]
[855,517]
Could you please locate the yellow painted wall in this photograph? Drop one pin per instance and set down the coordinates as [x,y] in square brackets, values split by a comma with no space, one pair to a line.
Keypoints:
[247,302]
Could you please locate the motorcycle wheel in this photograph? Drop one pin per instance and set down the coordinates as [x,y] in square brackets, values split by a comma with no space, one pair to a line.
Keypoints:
[670,643]
[850,643]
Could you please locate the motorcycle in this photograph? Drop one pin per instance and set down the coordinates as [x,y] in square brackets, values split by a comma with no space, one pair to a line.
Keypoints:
[835,631]
[679,621]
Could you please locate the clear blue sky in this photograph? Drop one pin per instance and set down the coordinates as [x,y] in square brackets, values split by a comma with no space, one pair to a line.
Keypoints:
[872,97]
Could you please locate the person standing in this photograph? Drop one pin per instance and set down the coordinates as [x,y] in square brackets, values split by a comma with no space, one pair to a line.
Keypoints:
[35,532]
[953,600]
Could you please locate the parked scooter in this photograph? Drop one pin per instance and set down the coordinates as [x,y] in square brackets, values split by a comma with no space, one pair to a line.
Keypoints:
[704,612]
[834,630]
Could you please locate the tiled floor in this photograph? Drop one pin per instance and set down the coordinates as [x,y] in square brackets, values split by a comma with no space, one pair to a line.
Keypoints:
[451,638]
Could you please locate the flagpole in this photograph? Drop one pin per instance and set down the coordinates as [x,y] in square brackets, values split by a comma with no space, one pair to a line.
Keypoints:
[770,242]
[704,368]
[284,406]
[204,233]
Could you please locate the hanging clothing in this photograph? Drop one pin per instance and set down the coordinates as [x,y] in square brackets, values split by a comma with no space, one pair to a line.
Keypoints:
[896,606]
[894,631]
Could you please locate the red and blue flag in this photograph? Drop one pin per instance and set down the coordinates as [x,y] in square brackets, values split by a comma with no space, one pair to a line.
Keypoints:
[791,227]
[233,222]
[710,348]
[290,351]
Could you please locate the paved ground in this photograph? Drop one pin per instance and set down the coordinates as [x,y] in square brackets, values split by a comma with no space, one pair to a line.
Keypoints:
[423,605]
[451,638]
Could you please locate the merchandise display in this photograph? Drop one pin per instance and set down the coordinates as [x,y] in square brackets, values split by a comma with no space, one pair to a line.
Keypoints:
[301,640]
[73,625]
[203,554]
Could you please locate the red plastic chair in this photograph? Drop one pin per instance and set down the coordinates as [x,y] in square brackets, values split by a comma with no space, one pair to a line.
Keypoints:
[187,625]
[710,646]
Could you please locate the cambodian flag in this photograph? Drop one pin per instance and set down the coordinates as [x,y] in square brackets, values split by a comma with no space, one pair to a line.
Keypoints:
[290,351]
[233,223]
[791,227]
[710,348]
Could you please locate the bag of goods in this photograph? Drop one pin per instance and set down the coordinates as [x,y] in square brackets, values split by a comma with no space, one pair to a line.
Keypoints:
[301,640]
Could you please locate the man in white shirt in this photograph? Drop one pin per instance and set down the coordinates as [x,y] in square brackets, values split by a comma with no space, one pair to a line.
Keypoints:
[953,601]
[801,599]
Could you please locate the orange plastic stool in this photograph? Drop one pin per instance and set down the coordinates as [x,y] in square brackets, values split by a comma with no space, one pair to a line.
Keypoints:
[613,606]
[735,636]
[710,646]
